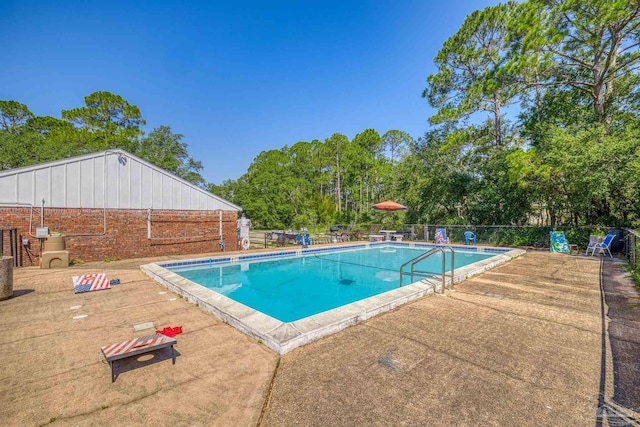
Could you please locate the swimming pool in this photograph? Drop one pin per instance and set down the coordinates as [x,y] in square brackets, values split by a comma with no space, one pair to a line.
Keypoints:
[289,298]
[294,287]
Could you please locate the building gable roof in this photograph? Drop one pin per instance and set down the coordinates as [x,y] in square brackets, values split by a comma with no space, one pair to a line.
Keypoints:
[114,179]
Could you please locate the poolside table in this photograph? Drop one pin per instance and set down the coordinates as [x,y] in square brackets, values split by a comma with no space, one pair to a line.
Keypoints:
[388,233]
[136,347]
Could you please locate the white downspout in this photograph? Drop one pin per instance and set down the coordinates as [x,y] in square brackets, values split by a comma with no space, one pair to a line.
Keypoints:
[149,223]
[221,243]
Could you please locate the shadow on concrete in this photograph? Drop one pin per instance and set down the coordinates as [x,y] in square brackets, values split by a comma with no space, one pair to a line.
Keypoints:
[21,292]
[130,363]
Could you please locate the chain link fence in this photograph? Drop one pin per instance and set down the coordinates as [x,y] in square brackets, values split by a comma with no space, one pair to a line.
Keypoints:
[498,235]
[530,237]
[632,240]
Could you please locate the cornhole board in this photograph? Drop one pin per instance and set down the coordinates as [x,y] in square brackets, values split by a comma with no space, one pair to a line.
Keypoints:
[90,282]
[136,347]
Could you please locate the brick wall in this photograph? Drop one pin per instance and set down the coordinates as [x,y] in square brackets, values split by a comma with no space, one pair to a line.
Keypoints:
[172,232]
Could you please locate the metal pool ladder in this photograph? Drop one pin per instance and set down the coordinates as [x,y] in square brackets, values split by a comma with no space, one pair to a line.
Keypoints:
[424,256]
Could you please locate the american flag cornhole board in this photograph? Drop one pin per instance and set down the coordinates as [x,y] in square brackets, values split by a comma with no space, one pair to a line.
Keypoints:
[90,282]
[137,346]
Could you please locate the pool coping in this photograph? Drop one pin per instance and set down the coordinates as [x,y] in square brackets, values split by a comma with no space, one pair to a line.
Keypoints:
[283,337]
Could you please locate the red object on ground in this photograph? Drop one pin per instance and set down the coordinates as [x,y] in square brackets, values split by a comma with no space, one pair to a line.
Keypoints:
[170,332]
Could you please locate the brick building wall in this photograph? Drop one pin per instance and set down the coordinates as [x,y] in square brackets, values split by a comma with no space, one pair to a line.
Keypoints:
[126,235]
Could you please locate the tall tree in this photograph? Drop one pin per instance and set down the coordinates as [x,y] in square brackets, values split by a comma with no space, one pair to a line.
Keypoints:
[13,114]
[335,146]
[471,77]
[166,150]
[266,190]
[61,138]
[110,119]
[432,179]
[364,174]
[584,44]
[395,143]
[20,148]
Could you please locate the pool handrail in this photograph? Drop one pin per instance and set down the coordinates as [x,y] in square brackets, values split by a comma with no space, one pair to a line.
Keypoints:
[426,255]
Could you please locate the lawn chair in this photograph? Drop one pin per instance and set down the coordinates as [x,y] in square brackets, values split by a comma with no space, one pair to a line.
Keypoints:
[469,237]
[303,240]
[559,242]
[605,246]
[593,241]
[440,237]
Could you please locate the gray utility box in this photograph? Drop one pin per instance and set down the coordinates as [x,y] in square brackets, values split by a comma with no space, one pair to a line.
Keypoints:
[42,232]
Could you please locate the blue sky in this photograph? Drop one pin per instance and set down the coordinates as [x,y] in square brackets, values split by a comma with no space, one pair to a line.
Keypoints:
[235,78]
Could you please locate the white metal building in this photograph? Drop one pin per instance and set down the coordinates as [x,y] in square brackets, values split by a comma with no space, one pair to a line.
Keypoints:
[113,179]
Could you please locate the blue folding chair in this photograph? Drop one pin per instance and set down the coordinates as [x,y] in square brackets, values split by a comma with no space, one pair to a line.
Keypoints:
[605,246]
[303,240]
[469,237]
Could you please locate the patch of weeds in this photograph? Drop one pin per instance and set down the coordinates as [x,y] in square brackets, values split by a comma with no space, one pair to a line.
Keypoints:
[52,419]
[111,259]
[197,305]
[76,261]
[259,341]
[180,296]
[103,407]
[635,276]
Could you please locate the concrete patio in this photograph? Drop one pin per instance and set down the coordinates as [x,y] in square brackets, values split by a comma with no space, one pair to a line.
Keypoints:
[52,366]
[521,344]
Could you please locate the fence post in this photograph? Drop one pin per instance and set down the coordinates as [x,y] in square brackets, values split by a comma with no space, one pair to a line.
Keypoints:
[631,248]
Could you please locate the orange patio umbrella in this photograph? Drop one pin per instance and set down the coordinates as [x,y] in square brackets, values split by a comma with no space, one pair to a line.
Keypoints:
[389,205]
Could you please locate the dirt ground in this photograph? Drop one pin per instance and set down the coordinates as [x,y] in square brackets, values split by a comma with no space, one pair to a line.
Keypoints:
[518,345]
[52,367]
[521,344]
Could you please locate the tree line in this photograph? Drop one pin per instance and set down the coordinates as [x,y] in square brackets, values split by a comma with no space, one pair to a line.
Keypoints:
[106,121]
[536,115]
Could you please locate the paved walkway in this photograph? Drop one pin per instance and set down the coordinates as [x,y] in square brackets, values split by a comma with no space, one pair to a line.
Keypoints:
[518,345]
[621,400]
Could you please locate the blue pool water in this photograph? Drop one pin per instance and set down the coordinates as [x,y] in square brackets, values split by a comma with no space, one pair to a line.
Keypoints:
[292,288]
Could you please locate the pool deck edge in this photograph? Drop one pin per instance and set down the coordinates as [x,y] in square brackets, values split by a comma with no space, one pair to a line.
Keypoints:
[282,337]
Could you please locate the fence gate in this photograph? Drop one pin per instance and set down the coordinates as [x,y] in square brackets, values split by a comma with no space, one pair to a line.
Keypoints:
[13,245]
